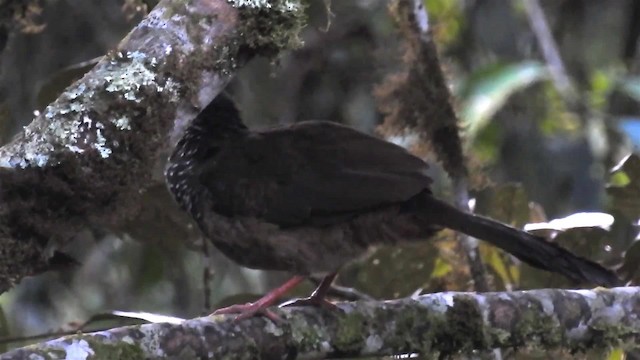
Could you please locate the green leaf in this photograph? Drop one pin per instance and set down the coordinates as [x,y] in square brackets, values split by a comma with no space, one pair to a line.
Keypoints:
[508,273]
[616,354]
[484,93]
[441,268]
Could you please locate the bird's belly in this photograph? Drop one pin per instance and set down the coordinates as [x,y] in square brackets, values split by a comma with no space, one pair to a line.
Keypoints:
[259,245]
[256,244]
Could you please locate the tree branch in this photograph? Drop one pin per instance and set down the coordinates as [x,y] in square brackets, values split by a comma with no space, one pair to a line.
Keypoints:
[436,324]
[89,155]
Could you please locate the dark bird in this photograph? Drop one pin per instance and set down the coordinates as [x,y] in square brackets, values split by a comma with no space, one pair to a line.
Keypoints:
[310,197]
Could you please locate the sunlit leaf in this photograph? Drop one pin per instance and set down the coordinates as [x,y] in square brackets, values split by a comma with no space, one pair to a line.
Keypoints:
[493,258]
[601,84]
[619,179]
[577,220]
[441,268]
[616,354]
[148,317]
[484,93]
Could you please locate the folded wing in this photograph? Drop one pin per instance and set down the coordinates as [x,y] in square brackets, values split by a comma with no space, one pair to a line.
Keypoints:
[311,172]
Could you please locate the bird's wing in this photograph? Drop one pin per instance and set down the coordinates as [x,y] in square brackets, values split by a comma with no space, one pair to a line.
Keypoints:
[312,171]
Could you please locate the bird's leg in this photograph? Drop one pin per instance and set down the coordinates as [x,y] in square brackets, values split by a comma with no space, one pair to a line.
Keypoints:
[317,298]
[260,306]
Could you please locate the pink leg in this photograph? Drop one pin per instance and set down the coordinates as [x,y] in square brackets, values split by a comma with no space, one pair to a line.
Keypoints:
[260,306]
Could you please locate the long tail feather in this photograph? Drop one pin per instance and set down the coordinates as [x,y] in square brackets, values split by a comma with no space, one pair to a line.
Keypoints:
[529,248]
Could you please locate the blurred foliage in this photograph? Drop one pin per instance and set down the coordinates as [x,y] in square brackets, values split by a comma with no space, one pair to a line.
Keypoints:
[486,91]
[624,188]
[518,127]
[450,20]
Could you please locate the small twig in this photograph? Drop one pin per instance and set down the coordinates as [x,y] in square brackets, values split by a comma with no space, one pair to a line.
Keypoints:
[550,52]
[342,292]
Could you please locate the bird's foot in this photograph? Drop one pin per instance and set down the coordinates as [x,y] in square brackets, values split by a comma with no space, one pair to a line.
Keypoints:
[249,310]
[260,306]
[318,298]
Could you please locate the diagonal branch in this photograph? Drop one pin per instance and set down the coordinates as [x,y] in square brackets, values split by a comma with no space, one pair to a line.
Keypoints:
[89,155]
[437,324]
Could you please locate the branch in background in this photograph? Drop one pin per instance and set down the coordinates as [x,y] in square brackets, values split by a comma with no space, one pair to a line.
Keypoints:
[555,65]
[436,325]
[419,99]
[561,80]
[86,159]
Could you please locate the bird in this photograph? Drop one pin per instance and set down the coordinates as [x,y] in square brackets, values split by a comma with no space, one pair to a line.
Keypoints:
[310,197]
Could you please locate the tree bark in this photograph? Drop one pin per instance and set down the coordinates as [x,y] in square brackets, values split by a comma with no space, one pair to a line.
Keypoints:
[87,158]
[437,324]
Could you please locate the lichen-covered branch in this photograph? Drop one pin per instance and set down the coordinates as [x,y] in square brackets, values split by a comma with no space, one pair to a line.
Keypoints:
[436,324]
[88,156]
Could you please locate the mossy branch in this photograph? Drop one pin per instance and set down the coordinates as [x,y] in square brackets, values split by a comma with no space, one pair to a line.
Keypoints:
[434,325]
[88,157]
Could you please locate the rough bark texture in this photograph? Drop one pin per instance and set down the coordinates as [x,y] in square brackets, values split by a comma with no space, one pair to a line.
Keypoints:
[88,156]
[436,324]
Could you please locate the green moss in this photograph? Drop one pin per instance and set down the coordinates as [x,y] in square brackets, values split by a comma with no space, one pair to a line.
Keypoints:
[350,333]
[270,27]
[465,321]
[306,336]
[118,350]
[535,328]
[416,328]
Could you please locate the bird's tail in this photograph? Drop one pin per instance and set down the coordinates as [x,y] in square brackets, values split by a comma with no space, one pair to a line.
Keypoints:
[529,248]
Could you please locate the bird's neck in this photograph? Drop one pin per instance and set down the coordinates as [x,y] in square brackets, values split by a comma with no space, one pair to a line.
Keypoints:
[216,126]
[197,148]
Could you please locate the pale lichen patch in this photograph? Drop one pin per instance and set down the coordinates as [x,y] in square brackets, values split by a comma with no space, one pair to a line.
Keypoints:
[280,5]
[101,142]
[273,329]
[122,123]
[373,344]
[79,349]
[131,78]
[438,302]
[153,347]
